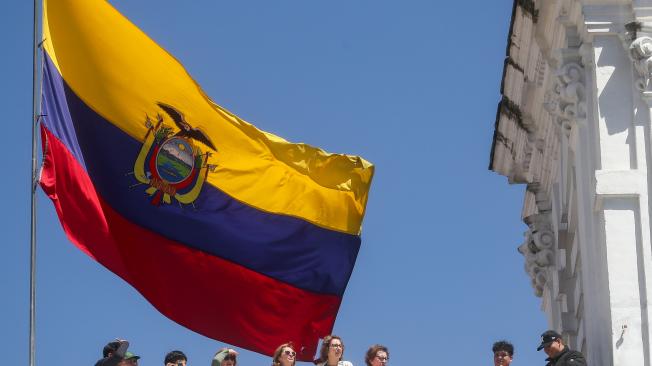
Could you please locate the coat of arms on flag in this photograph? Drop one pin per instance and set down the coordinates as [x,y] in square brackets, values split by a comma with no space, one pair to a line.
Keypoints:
[171,163]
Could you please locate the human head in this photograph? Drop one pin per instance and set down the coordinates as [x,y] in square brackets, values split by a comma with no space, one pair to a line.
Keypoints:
[377,355]
[175,358]
[110,348]
[503,353]
[129,359]
[225,357]
[332,346]
[551,343]
[285,355]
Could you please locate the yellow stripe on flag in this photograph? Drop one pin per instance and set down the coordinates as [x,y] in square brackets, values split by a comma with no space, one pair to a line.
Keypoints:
[119,72]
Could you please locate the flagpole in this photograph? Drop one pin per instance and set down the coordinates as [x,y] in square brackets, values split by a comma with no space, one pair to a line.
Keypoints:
[35,120]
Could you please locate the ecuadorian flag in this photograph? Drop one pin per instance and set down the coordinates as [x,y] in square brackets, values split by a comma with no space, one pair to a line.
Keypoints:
[147,174]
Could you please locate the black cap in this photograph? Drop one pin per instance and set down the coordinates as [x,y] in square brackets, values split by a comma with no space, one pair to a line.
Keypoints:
[110,347]
[548,337]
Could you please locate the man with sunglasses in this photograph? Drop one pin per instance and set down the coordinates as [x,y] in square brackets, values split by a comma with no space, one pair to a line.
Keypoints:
[558,353]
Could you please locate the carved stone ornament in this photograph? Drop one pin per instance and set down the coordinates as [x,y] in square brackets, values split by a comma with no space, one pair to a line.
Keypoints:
[538,250]
[551,100]
[566,99]
[640,51]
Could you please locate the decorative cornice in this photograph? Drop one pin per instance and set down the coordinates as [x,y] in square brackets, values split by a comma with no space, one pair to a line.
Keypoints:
[566,99]
[640,52]
[573,95]
[538,250]
[587,58]
[511,110]
[510,61]
[529,8]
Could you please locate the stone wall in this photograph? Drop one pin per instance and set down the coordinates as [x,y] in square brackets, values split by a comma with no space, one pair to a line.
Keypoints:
[573,126]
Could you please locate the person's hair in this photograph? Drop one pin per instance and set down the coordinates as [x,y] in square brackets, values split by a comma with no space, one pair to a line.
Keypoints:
[279,352]
[229,356]
[371,353]
[503,346]
[110,347]
[323,351]
[174,356]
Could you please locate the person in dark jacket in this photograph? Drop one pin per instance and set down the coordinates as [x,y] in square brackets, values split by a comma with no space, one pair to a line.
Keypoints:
[115,352]
[558,353]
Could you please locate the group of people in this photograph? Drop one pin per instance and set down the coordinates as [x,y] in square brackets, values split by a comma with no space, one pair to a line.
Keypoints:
[331,353]
[552,344]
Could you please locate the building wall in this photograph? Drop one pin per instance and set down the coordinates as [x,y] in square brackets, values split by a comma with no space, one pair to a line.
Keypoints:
[573,126]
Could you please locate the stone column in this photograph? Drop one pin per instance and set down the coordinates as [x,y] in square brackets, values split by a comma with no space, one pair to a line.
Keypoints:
[620,253]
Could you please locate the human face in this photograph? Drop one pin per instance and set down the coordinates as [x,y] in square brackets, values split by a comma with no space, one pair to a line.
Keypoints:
[227,363]
[502,358]
[287,356]
[335,349]
[178,363]
[380,359]
[554,348]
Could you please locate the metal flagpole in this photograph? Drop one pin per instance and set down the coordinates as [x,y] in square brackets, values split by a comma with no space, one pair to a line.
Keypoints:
[35,121]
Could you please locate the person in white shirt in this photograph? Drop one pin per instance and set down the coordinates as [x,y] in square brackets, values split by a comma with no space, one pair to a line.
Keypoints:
[331,352]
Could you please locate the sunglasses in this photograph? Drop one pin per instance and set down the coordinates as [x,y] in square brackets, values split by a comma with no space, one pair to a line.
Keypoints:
[290,353]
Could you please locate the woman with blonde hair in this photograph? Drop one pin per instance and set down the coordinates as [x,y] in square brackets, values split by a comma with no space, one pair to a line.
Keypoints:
[331,352]
[284,355]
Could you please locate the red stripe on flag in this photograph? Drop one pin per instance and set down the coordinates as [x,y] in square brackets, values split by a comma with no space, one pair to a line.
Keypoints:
[212,296]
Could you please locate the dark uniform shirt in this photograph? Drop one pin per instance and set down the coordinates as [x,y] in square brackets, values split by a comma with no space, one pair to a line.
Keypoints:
[567,357]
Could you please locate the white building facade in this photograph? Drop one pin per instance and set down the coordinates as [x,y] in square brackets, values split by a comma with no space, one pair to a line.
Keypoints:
[574,125]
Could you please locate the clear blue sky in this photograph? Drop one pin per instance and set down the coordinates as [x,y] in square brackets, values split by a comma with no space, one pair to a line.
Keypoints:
[411,86]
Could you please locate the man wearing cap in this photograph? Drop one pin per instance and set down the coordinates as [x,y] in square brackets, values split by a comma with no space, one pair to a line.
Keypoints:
[129,360]
[558,353]
[115,354]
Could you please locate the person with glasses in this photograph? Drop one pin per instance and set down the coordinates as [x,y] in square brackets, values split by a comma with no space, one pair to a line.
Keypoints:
[285,355]
[503,353]
[377,355]
[331,352]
